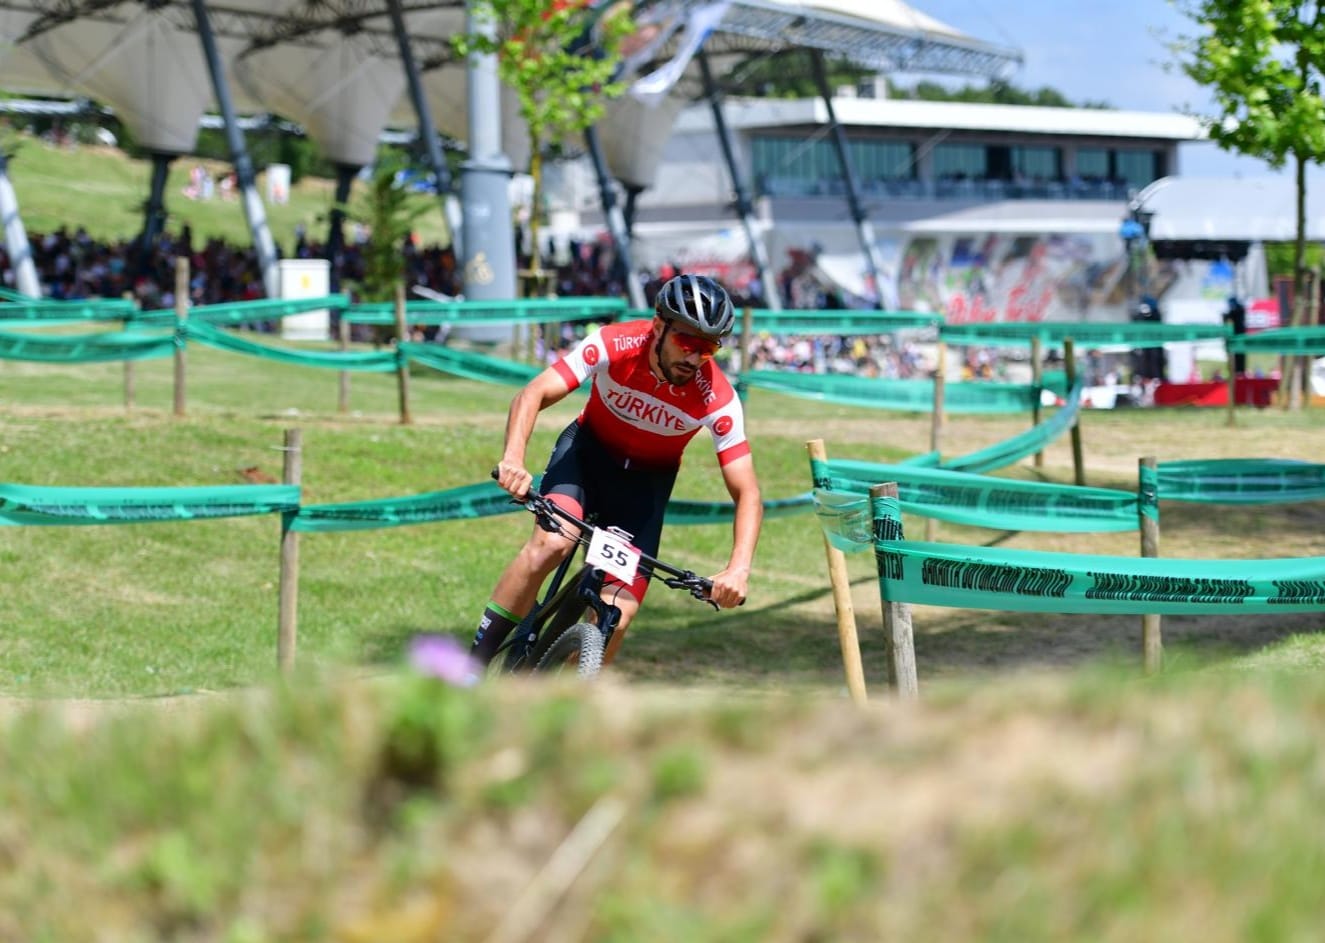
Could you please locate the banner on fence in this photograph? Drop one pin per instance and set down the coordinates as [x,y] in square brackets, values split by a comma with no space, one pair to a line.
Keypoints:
[1241,481]
[967,577]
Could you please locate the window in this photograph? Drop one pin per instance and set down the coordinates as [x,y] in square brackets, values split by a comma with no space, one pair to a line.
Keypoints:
[1036,163]
[790,165]
[960,160]
[1138,168]
[1093,163]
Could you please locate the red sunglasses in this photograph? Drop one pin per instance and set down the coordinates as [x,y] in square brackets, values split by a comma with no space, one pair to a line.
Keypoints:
[692,344]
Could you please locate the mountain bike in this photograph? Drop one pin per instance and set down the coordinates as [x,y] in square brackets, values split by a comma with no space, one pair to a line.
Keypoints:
[571,625]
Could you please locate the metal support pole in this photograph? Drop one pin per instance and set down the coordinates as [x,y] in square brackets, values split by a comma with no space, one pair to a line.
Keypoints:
[16,236]
[345,174]
[427,130]
[864,230]
[254,211]
[758,254]
[616,220]
[489,259]
[154,213]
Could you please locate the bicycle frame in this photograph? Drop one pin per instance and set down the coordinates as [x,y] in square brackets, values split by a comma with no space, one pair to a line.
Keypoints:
[565,601]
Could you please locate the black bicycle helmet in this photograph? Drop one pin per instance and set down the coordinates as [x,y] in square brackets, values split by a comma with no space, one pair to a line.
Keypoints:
[699,303]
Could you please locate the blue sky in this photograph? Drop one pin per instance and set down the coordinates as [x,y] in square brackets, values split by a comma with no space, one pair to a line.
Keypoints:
[1096,51]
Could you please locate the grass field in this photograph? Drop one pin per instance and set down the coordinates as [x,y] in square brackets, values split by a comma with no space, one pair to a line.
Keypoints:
[723,789]
[181,607]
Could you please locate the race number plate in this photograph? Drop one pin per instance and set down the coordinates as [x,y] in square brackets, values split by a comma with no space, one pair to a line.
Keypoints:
[612,554]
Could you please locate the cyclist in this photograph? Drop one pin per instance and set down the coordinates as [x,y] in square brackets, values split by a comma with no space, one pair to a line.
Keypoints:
[655,385]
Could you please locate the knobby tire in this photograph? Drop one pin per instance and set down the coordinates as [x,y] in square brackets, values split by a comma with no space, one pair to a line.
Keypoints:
[583,642]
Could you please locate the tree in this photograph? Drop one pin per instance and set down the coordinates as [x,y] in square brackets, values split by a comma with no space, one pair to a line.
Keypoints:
[560,58]
[389,214]
[1262,60]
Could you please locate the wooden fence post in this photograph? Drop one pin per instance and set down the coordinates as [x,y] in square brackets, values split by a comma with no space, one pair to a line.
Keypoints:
[287,626]
[897,632]
[343,394]
[938,417]
[1037,378]
[129,382]
[1152,644]
[181,316]
[129,378]
[1070,365]
[847,638]
[402,367]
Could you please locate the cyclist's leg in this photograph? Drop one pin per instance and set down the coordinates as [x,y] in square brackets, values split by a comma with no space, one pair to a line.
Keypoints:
[621,597]
[636,502]
[517,588]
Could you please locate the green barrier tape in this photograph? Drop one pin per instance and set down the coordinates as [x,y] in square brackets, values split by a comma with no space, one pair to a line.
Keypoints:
[22,324]
[1055,381]
[1002,454]
[531,311]
[936,574]
[718,512]
[1299,341]
[243,312]
[23,308]
[468,501]
[377,362]
[470,365]
[83,348]
[800,321]
[1082,333]
[265,309]
[982,501]
[908,395]
[27,504]
[1241,481]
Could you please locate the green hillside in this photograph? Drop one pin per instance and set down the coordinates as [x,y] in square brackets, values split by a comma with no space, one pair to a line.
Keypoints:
[103,190]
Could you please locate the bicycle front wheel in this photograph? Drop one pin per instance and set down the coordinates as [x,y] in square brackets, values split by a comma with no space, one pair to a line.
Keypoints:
[578,649]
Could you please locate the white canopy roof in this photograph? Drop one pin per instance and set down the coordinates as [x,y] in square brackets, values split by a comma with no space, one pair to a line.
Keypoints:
[1229,209]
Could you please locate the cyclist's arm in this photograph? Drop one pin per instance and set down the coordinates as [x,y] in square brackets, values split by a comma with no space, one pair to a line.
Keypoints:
[732,584]
[537,395]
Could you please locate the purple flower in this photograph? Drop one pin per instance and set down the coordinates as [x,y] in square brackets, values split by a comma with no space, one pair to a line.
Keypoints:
[442,657]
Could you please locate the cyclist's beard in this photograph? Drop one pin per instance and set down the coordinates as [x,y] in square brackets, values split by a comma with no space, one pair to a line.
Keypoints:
[676,372]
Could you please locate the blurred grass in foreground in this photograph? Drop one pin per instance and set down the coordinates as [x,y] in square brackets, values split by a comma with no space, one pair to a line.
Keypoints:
[1096,807]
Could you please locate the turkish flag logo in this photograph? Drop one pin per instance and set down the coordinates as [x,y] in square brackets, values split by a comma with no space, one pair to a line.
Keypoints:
[723,425]
[591,355]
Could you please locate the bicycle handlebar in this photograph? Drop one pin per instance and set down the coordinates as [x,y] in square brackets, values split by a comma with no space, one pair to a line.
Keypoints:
[547,512]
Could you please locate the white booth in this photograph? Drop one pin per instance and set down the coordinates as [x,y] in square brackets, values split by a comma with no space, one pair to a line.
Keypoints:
[306,278]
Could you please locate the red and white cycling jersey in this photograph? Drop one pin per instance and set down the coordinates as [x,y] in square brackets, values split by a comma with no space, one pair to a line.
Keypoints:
[643,420]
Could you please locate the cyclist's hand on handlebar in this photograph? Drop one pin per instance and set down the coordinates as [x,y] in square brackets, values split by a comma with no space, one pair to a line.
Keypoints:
[514,477]
[730,587]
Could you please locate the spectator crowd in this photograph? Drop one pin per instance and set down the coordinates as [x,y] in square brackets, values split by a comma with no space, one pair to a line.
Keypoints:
[73,266]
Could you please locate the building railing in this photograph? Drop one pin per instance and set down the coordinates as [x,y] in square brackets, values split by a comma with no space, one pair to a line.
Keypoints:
[952,189]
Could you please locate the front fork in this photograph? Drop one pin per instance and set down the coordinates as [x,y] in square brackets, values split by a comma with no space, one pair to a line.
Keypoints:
[568,605]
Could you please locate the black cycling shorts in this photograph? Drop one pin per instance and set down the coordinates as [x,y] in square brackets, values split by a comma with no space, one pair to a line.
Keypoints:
[633,499]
